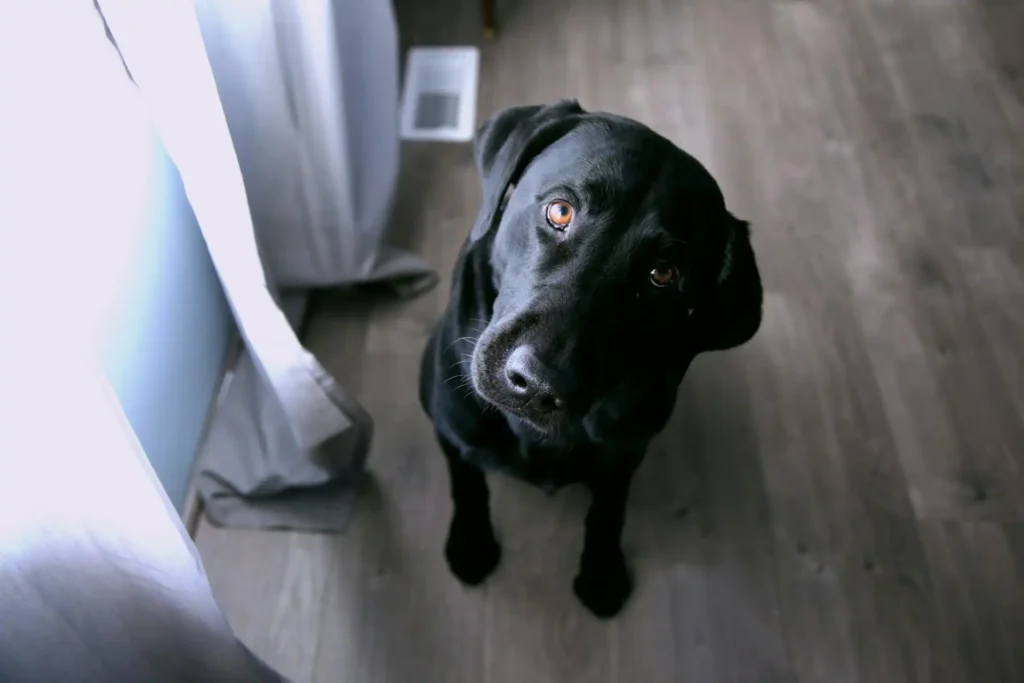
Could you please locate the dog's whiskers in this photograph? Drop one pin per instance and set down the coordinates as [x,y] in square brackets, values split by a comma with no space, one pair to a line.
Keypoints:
[472,341]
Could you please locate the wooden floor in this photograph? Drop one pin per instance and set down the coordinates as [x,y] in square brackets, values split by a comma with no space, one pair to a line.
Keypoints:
[841,500]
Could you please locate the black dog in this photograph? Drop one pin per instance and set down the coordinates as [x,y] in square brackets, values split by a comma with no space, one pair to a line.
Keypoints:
[602,262]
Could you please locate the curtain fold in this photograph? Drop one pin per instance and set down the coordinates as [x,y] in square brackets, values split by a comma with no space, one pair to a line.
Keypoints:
[285,136]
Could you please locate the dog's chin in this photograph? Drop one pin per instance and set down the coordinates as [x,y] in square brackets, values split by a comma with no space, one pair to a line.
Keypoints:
[547,426]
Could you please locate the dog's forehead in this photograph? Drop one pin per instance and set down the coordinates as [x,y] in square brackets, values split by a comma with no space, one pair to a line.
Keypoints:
[618,155]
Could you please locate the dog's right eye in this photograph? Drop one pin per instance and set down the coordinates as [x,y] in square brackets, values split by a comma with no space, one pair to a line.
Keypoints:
[663,274]
[559,214]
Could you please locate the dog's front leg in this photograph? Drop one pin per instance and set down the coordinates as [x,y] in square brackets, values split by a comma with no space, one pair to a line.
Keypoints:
[603,583]
[471,550]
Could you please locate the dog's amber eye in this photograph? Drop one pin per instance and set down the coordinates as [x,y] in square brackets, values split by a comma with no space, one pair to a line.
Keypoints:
[559,214]
[663,275]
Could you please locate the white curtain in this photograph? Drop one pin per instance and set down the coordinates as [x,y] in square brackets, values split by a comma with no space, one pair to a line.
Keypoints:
[281,116]
[98,580]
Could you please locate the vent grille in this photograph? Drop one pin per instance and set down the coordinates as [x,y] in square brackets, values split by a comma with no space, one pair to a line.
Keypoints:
[439,95]
[437,110]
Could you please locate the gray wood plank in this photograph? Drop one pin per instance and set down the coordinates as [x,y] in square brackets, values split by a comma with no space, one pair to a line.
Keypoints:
[979,579]
[270,586]
[391,612]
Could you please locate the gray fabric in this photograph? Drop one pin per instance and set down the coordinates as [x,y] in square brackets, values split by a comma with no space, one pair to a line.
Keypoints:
[245,482]
[293,192]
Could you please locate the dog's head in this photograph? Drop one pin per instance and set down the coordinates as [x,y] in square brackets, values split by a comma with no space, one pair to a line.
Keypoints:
[615,262]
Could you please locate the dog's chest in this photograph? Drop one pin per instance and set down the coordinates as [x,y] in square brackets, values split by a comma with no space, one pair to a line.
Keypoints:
[548,467]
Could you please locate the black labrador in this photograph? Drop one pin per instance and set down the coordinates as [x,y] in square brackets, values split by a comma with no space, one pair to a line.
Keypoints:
[603,260]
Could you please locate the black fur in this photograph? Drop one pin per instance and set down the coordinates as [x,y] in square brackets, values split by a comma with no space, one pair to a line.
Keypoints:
[558,359]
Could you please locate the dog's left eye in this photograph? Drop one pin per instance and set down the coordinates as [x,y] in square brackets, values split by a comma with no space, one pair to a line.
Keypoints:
[559,214]
[663,274]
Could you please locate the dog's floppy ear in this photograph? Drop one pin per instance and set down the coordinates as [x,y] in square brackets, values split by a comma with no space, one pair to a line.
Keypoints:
[732,314]
[507,142]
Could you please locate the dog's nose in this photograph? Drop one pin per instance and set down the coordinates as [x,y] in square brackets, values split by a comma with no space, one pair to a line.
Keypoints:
[529,378]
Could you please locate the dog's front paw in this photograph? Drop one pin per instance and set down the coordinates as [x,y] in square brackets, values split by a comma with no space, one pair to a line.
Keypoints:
[471,550]
[603,586]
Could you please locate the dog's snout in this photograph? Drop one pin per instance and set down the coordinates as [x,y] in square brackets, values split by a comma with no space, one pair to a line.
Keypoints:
[531,380]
